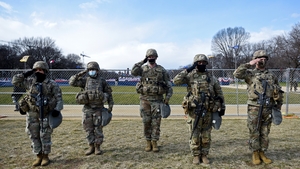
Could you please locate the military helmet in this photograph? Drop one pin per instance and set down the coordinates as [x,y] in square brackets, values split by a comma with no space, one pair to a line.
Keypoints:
[200,57]
[259,54]
[93,65]
[41,65]
[151,52]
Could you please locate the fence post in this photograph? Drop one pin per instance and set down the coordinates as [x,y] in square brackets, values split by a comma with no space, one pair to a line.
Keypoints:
[287,90]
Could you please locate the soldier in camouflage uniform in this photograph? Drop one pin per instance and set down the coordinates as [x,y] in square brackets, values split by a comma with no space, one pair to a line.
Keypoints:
[154,83]
[200,82]
[259,141]
[39,130]
[95,92]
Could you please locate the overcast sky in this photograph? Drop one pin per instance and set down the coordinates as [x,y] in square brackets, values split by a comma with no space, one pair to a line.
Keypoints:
[117,33]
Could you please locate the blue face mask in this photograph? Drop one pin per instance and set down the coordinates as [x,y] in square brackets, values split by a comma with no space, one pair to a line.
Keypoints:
[92,73]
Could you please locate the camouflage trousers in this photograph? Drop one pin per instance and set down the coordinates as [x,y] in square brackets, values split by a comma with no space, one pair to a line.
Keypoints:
[259,139]
[40,139]
[201,138]
[91,121]
[149,111]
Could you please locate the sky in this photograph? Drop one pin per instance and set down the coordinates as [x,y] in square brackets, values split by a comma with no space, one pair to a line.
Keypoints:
[117,33]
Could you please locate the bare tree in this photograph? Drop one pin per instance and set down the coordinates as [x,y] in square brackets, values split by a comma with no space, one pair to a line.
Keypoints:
[228,44]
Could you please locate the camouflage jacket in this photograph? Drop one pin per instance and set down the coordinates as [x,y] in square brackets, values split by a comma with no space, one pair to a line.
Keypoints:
[154,81]
[51,91]
[93,84]
[199,82]
[253,79]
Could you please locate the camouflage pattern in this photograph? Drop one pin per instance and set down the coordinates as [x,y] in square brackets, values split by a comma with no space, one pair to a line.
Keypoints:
[199,82]
[92,109]
[200,57]
[93,65]
[259,139]
[154,84]
[260,53]
[41,140]
[42,65]
[151,52]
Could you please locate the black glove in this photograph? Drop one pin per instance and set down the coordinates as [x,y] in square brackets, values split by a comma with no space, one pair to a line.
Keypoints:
[28,73]
[192,67]
[55,113]
[145,60]
[21,112]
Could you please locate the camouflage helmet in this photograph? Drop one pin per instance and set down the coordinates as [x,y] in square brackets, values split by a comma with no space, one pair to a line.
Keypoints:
[41,65]
[259,54]
[200,57]
[151,52]
[93,65]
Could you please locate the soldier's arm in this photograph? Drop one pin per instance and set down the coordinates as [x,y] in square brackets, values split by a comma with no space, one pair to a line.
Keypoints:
[57,94]
[78,80]
[137,69]
[181,78]
[242,73]
[107,89]
[279,100]
[20,81]
[168,84]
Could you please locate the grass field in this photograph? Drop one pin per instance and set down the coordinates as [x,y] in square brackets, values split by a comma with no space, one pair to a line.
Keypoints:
[124,144]
[126,95]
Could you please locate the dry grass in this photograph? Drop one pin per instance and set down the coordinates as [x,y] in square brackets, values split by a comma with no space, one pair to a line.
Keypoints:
[124,144]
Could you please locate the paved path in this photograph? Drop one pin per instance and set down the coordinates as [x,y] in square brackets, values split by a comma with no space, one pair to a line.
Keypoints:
[132,111]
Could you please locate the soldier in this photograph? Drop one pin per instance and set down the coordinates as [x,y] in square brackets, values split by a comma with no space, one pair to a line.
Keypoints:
[95,92]
[202,85]
[294,84]
[39,129]
[259,141]
[154,83]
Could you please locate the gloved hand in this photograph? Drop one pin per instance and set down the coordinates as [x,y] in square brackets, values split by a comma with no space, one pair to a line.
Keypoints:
[192,67]
[21,112]
[166,101]
[110,109]
[82,72]
[55,113]
[145,60]
[28,73]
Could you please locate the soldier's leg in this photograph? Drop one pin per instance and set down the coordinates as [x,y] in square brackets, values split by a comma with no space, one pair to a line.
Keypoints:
[98,132]
[254,141]
[46,142]
[205,144]
[195,144]
[88,126]
[145,112]
[156,121]
[264,139]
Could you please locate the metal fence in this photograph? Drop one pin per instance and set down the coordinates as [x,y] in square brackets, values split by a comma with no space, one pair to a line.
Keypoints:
[123,85]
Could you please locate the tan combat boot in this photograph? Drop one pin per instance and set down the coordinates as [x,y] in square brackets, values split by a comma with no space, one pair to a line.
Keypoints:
[38,160]
[91,150]
[265,159]
[154,146]
[97,150]
[255,158]
[196,160]
[45,160]
[205,160]
[148,146]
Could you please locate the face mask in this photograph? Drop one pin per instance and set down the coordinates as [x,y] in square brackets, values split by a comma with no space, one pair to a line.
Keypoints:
[262,63]
[40,77]
[151,61]
[92,73]
[201,68]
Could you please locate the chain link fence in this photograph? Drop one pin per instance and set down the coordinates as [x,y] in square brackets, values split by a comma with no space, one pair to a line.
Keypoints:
[124,93]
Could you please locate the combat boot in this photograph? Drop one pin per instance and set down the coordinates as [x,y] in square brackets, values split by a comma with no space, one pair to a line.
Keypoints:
[255,158]
[148,146]
[38,160]
[45,160]
[205,160]
[154,146]
[97,150]
[91,150]
[265,159]
[196,160]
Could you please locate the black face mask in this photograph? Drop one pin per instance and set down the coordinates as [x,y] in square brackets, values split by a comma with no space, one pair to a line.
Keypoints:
[151,61]
[40,77]
[262,64]
[201,68]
